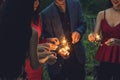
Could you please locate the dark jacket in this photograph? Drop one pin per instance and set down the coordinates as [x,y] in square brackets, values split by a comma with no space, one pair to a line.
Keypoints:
[52,26]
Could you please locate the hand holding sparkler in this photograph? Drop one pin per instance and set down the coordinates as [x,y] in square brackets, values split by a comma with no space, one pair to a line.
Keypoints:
[111,42]
[75,37]
[55,41]
[64,53]
[61,47]
[94,37]
[45,55]
[64,48]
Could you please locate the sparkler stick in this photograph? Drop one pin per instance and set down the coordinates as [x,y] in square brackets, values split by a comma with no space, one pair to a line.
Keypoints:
[98,39]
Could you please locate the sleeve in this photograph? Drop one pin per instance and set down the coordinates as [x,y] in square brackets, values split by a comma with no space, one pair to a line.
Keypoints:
[82,23]
[46,23]
[33,49]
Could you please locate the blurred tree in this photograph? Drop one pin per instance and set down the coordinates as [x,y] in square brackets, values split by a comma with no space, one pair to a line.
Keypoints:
[94,6]
[89,6]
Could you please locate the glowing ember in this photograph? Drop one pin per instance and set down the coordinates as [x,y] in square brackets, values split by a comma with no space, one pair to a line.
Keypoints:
[67,47]
[63,52]
[97,37]
[64,47]
[64,41]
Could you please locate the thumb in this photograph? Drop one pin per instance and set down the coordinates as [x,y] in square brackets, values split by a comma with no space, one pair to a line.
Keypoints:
[73,39]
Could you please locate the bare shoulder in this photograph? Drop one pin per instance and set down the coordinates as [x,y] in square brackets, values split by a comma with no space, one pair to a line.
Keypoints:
[100,14]
[109,11]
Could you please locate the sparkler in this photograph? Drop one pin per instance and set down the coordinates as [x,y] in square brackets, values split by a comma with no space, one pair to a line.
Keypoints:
[64,47]
[97,39]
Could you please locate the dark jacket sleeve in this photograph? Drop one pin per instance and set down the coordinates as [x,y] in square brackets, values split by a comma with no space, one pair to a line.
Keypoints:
[81,28]
[45,26]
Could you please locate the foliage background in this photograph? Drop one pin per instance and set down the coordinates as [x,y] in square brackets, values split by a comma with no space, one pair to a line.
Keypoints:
[90,10]
[89,6]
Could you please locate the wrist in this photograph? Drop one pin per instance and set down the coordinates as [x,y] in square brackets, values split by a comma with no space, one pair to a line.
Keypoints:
[117,42]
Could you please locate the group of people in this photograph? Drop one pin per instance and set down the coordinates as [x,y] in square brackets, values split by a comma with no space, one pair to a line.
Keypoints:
[54,38]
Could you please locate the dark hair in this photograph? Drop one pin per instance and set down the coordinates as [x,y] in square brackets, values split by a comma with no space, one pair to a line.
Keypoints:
[1,1]
[110,3]
[2,4]
[17,16]
[15,31]
[36,15]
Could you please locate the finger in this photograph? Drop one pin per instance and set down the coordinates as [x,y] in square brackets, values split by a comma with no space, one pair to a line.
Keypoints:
[50,40]
[91,37]
[67,54]
[77,38]
[73,39]
[54,41]
[108,43]
[43,48]
[53,47]
[43,60]
[54,54]
[49,46]
[52,57]
[44,44]
[43,54]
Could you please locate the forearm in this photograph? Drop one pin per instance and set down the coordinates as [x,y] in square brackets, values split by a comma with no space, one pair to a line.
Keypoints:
[33,49]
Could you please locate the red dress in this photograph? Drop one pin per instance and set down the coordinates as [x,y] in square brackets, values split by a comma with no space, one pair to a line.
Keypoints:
[34,74]
[108,53]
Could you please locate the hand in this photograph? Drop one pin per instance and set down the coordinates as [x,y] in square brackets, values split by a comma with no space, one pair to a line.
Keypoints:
[110,42]
[64,53]
[47,46]
[51,59]
[91,37]
[46,57]
[43,56]
[44,53]
[53,40]
[44,50]
[75,37]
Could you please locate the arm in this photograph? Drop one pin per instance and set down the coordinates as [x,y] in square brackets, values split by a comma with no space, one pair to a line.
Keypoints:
[100,16]
[92,36]
[44,54]
[45,26]
[80,28]
[112,42]
[82,24]
[33,49]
